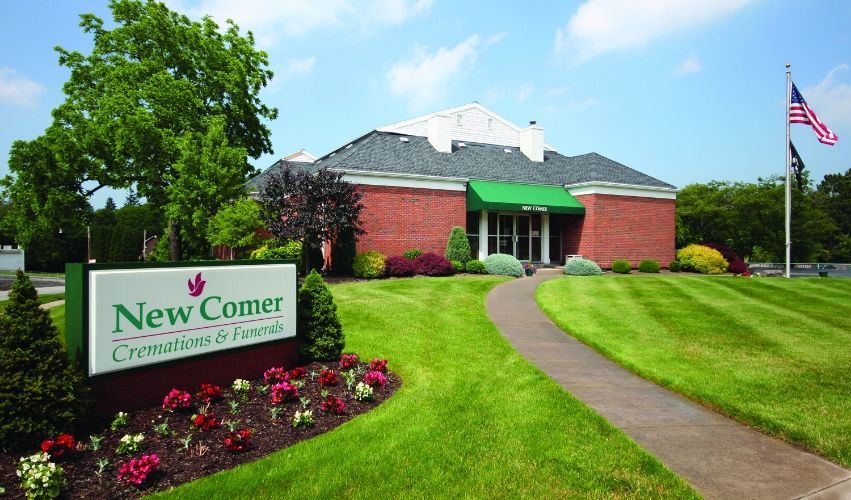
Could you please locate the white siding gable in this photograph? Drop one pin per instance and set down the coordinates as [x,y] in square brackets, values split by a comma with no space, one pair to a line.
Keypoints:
[300,156]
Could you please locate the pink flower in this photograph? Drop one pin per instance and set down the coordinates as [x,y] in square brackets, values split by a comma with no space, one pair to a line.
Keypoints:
[333,405]
[177,400]
[348,361]
[328,378]
[283,392]
[275,375]
[137,470]
[375,378]
[378,365]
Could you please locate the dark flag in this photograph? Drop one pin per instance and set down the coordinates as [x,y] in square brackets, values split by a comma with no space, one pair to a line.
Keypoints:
[797,165]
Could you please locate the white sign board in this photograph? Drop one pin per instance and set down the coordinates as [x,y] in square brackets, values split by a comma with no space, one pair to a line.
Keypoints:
[144,316]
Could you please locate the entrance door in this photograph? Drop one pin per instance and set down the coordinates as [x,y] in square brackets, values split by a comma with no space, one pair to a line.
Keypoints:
[521,237]
[505,237]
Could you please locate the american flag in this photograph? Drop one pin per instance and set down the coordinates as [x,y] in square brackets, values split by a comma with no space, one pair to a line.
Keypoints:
[801,112]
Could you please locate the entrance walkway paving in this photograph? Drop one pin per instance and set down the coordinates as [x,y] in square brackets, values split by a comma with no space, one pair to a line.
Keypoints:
[720,457]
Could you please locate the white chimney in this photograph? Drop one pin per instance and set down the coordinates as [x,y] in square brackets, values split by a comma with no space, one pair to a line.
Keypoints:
[532,142]
[438,133]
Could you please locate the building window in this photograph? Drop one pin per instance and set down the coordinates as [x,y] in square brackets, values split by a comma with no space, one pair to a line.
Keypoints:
[492,233]
[490,123]
[473,232]
[458,119]
[556,254]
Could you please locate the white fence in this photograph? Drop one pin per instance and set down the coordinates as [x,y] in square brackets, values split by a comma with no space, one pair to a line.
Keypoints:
[813,266]
[11,258]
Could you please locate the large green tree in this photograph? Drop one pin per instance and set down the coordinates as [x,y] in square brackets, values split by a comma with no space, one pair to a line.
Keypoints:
[236,225]
[167,106]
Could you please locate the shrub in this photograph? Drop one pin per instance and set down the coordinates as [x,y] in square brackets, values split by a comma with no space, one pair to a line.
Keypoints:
[728,253]
[137,470]
[674,266]
[738,267]
[649,266]
[582,267]
[621,266]
[41,391]
[431,264]
[475,266]
[40,478]
[290,250]
[321,334]
[458,245]
[398,267]
[457,266]
[701,259]
[504,264]
[369,265]
[412,253]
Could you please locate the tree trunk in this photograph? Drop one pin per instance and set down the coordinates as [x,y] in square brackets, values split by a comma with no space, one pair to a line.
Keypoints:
[175,244]
[305,250]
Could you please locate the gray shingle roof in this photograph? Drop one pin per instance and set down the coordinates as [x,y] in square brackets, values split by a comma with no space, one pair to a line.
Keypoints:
[385,152]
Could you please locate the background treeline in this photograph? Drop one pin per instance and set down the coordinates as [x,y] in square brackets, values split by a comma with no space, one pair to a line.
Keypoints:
[749,218]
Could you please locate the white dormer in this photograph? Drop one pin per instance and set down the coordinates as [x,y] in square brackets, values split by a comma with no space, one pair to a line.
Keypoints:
[471,122]
[300,156]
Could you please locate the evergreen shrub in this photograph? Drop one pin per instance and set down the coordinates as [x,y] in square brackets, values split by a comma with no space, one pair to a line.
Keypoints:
[582,267]
[369,265]
[649,266]
[458,246]
[412,253]
[289,250]
[701,259]
[503,264]
[398,266]
[621,266]
[41,390]
[457,266]
[432,264]
[475,266]
[737,267]
[319,328]
[674,266]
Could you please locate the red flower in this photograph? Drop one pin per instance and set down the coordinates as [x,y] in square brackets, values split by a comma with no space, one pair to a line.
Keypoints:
[137,470]
[378,365]
[283,392]
[348,361]
[61,445]
[333,405]
[177,400]
[275,375]
[206,421]
[238,440]
[328,378]
[375,378]
[298,373]
[209,392]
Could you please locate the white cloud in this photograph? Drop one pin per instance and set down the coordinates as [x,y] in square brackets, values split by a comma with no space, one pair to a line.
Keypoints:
[272,19]
[17,89]
[688,66]
[296,66]
[831,99]
[572,105]
[425,77]
[601,26]
[524,92]
[559,91]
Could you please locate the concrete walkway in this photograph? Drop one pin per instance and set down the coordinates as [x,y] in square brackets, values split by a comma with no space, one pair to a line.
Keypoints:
[720,457]
[4,294]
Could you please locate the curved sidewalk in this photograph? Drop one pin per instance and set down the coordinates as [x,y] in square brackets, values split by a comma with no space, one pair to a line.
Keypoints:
[720,457]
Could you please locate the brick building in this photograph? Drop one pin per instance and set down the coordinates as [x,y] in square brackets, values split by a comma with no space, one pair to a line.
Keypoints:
[514,194]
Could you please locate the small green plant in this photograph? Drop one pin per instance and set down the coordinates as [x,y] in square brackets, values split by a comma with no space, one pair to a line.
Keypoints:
[649,266]
[503,264]
[95,442]
[40,478]
[363,392]
[475,266]
[130,444]
[241,387]
[305,402]
[582,267]
[324,393]
[161,429]
[234,407]
[119,421]
[621,266]
[298,383]
[103,466]
[369,265]
[458,246]
[303,418]
[412,254]
[263,389]
[231,424]
[185,441]
[275,412]
[674,266]
[321,334]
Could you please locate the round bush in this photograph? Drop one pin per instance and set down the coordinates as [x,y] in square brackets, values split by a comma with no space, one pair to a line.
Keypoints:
[621,266]
[369,265]
[674,266]
[457,266]
[728,253]
[289,250]
[582,267]
[412,254]
[398,266]
[504,264]
[458,245]
[738,267]
[701,259]
[431,264]
[475,266]
[649,266]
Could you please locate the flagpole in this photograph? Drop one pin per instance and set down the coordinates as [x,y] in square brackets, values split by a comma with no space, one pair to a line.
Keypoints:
[788,173]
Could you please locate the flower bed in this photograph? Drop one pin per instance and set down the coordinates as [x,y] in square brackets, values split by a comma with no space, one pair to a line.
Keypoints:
[240,426]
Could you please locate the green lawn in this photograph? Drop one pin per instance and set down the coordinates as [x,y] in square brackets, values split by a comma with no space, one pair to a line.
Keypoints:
[42,299]
[473,419]
[773,353]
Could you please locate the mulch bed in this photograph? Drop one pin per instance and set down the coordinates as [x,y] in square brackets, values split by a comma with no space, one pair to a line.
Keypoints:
[206,453]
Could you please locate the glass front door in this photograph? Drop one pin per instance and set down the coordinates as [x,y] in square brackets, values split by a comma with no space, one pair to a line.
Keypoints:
[515,234]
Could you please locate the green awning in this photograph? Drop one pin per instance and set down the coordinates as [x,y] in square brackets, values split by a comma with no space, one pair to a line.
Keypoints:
[511,197]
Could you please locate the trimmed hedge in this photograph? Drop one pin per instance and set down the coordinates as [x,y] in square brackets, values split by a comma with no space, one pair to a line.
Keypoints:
[412,253]
[649,266]
[399,266]
[621,266]
[457,266]
[674,266]
[369,265]
[319,329]
[701,259]
[582,267]
[475,266]
[432,264]
[503,264]
[289,250]
[458,246]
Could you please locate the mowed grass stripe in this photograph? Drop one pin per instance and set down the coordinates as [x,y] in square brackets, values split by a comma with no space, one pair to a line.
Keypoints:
[745,346]
[472,419]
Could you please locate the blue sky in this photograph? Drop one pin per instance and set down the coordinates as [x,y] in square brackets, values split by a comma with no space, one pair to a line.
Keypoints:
[686,91]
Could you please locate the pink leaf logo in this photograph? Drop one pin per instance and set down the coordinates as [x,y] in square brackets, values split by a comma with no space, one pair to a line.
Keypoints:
[196,288]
